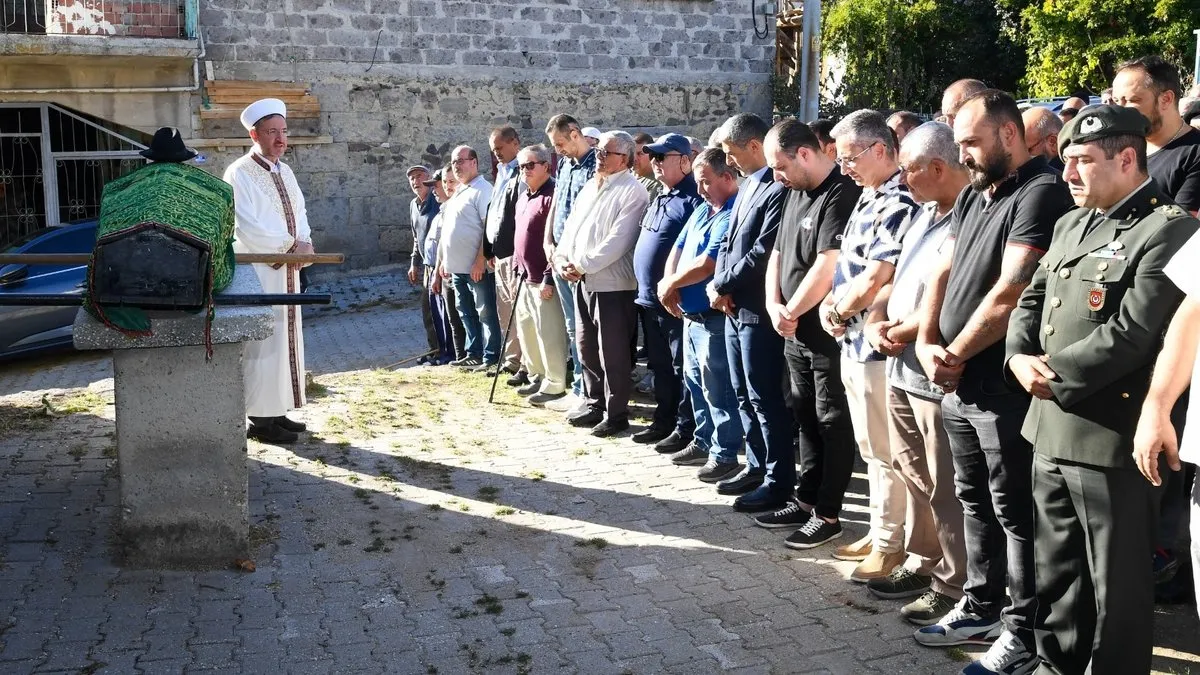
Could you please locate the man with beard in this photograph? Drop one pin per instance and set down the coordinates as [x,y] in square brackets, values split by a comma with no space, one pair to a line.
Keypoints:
[1082,342]
[1000,229]
[1151,85]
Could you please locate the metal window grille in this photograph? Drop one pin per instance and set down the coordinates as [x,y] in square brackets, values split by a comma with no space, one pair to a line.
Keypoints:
[23,16]
[54,164]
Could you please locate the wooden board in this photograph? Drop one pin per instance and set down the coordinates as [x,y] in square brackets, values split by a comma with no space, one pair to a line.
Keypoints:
[216,112]
[255,85]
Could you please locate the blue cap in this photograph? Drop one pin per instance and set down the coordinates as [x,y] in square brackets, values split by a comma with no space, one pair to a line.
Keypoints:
[668,143]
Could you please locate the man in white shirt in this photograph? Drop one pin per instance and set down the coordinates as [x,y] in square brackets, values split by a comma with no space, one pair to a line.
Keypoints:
[596,250]
[270,218]
[460,259]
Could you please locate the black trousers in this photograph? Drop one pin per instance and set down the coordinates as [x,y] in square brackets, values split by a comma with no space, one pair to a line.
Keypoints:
[664,354]
[603,322]
[827,446]
[1093,532]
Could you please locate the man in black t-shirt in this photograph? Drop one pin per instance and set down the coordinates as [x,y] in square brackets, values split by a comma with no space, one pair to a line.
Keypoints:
[1151,85]
[999,230]
[799,275]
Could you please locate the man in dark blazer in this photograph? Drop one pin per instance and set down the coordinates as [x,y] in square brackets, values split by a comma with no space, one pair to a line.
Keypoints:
[1082,342]
[755,350]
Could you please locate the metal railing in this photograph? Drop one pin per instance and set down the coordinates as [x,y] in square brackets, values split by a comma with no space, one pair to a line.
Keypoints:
[148,18]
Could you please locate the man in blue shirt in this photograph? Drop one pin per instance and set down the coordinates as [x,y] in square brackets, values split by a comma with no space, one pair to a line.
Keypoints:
[718,434]
[576,166]
[670,157]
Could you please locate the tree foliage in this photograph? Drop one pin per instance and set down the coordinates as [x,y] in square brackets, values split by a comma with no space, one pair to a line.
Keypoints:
[901,54]
[1073,44]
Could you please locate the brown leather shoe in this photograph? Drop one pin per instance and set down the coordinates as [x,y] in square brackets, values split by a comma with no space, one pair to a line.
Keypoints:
[877,566]
[855,552]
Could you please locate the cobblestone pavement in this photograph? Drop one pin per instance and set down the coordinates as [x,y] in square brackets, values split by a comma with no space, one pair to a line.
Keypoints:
[419,529]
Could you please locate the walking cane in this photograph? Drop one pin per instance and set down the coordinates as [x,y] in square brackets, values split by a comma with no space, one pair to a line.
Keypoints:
[507,329]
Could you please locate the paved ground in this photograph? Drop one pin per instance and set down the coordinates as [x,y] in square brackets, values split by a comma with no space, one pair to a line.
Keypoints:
[419,529]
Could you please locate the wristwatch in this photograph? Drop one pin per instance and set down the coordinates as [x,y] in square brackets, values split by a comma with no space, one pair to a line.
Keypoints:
[834,316]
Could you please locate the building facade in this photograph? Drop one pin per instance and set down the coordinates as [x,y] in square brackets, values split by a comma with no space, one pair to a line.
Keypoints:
[375,86]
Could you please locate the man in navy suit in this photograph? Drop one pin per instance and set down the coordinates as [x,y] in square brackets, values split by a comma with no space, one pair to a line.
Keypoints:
[755,350]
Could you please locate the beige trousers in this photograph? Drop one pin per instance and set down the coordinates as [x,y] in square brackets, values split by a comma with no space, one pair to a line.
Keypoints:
[921,453]
[543,339]
[507,281]
[866,393]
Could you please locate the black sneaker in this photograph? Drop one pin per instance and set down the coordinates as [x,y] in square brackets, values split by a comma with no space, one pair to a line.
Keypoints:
[674,442]
[692,455]
[715,471]
[901,583]
[530,387]
[609,427]
[586,418]
[521,377]
[928,609]
[814,533]
[792,515]
[467,362]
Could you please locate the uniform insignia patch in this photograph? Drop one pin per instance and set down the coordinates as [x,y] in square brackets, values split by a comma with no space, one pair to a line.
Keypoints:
[806,223]
[1171,210]
[1095,299]
[1091,124]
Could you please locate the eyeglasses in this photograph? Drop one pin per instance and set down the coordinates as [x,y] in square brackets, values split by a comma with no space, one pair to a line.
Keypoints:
[528,166]
[909,168]
[603,154]
[843,161]
[462,160]
[660,157]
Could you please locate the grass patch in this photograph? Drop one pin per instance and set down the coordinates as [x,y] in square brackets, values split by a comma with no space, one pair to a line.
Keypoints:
[958,654]
[508,632]
[594,542]
[490,604]
[505,511]
[488,493]
[536,475]
[78,451]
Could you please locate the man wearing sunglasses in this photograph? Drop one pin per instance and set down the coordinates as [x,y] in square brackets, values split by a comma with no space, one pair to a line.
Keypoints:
[670,158]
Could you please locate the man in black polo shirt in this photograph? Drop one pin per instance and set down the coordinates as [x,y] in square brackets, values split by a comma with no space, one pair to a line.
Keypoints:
[1000,229]
[1151,85]
[799,275]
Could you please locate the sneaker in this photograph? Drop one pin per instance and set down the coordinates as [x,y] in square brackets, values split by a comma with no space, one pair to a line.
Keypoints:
[692,455]
[856,552]
[901,583]
[653,434]
[488,369]
[1007,656]
[607,427]
[717,471]
[673,443]
[959,627]
[586,418]
[877,566]
[792,515]
[928,608]
[813,533]
[540,399]
[646,386]
[530,388]
[467,362]
[564,403]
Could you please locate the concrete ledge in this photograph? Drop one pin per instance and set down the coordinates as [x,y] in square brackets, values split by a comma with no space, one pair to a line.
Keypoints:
[181,329]
[21,44]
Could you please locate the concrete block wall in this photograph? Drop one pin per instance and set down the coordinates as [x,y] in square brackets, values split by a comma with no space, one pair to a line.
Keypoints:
[404,81]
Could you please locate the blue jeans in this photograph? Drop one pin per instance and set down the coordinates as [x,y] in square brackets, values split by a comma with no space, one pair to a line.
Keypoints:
[706,375]
[566,295]
[756,368]
[476,302]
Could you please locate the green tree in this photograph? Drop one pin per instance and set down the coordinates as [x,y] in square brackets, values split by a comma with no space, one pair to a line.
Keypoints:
[901,54]
[1073,44]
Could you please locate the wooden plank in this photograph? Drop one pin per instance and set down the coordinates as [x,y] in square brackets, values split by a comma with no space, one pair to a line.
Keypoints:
[256,84]
[234,112]
[244,100]
[231,128]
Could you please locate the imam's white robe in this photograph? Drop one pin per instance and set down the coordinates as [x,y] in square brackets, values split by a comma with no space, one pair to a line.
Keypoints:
[270,218]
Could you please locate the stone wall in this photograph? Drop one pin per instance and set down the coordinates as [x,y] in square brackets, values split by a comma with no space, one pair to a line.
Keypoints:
[407,80]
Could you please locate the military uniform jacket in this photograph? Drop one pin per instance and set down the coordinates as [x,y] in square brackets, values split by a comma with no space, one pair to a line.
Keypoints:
[1099,305]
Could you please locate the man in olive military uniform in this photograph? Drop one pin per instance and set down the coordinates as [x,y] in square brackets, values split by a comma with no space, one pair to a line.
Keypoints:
[1082,341]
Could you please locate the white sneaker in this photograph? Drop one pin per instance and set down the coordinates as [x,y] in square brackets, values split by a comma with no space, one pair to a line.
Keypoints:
[1006,656]
[959,627]
[565,404]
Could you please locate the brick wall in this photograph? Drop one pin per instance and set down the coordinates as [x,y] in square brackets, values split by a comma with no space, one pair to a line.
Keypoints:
[406,80]
[144,18]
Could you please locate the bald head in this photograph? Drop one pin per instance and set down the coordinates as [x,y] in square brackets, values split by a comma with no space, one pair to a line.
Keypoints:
[955,94]
[1041,131]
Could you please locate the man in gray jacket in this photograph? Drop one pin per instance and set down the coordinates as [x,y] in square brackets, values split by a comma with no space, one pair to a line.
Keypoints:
[596,250]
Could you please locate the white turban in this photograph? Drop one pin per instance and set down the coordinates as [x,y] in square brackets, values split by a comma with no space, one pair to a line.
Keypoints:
[260,109]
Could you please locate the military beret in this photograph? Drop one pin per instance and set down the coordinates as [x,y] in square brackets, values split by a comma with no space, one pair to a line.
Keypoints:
[1103,121]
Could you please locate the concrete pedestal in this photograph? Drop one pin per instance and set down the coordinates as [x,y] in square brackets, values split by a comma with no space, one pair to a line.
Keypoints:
[181,435]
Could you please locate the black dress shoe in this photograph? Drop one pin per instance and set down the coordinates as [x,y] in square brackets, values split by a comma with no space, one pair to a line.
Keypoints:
[742,483]
[652,434]
[519,378]
[609,427]
[587,418]
[271,433]
[290,425]
[672,443]
[761,499]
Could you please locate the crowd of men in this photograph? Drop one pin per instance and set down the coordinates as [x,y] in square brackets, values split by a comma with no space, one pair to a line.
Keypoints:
[973,304]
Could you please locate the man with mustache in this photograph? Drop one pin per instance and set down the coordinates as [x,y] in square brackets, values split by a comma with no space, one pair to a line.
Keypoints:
[999,231]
